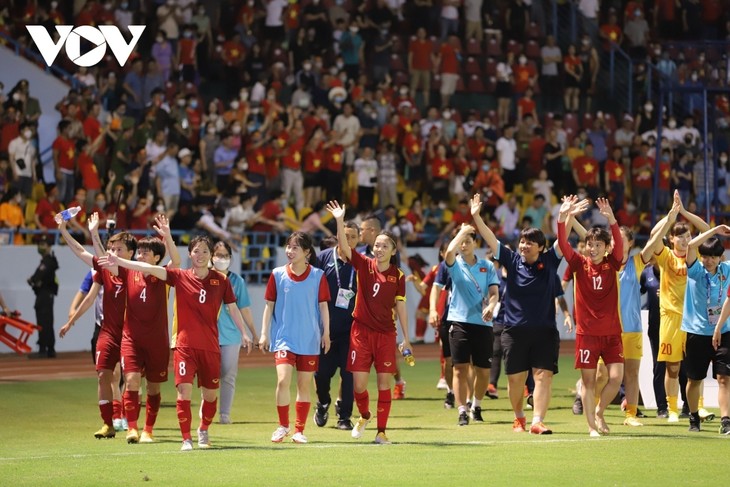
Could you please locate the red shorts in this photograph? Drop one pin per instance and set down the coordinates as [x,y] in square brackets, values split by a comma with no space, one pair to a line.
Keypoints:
[368,347]
[149,359]
[108,352]
[589,348]
[191,361]
[303,363]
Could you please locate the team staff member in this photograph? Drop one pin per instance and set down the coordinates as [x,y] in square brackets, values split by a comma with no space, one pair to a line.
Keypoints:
[296,327]
[198,298]
[229,336]
[530,337]
[381,295]
[343,287]
[474,282]
[44,285]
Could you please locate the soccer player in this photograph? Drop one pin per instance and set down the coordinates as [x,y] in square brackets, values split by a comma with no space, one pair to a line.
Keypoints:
[673,270]
[296,327]
[705,322]
[381,295]
[530,337]
[342,283]
[474,294]
[598,324]
[199,294]
[108,344]
[229,336]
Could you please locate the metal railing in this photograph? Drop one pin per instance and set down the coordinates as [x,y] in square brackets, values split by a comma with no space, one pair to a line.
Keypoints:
[38,60]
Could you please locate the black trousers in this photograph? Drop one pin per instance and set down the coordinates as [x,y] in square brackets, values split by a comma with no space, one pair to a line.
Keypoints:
[44,319]
[497,354]
[660,369]
[328,364]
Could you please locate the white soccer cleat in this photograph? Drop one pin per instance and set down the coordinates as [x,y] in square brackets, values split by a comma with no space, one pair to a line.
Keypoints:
[279,434]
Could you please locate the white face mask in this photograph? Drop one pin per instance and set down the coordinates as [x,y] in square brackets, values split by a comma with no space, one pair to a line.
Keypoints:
[27,134]
[672,124]
[160,208]
[243,95]
[234,105]
[221,264]
[236,129]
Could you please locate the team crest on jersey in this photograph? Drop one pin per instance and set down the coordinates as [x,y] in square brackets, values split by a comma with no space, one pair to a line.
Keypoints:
[136,278]
[214,282]
[286,289]
[153,279]
[387,364]
[392,279]
[163,373]
[482,269]
[605,267]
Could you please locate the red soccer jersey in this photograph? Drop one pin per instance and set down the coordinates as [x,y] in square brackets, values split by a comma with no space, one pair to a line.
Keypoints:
[587,170]
[441,168]
[596,287]
[412,144]
[313,161]
[256,161]
[477,147]
[449,59]
[197,304]
[146,317]
[644,177]
[522,77]
[292,158]
[389,133]
[113,301]
[615,171]
[377,293]
[665,171]
[333,158]
[46,211]
[187,51]
[66,152]
[89,176]
[420,51]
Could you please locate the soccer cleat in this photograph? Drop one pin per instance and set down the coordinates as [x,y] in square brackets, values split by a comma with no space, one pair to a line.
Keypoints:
[279,434]
[132,436]
[463,419]
[530,402]
[632,421]
[594,434]
[125,425]
[673,417]
[492,392]
[694,424]
[540,429]
[442,385]
[685,411]
[705,415]
[187,445]
[476,414]
[399,391]
[381,439]
[725,427]
[519,424]
[449,402]
[224,419]
[578,406]
[359,427]
[662,414]
[321,415]
[299,437]
[640,413]
[118,425]
[146,437]
[344,424]
[203,440]
[106,431]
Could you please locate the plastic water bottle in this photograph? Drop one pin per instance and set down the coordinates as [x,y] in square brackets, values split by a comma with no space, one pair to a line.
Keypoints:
[69,213]
[408,356]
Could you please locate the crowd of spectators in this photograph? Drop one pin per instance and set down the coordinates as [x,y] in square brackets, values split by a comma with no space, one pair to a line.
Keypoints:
[241,116]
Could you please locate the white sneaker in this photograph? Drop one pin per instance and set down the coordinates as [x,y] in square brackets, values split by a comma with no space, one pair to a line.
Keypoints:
[279,435]
[359,427]
[224,419]
[381,439]
[299,437]
[705,415]
[442,385]
[673,417]
[118,424]
[125,425]
[203,440]
[187,445]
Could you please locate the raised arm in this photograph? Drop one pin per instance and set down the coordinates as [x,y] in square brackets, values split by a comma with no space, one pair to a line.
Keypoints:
[162,227]
[94,231]
[85,305]
[111,260]
[454,245]
[571,207]
[75,247]
[604,207]
[654,245]
[693,219]
[482,228]
[338,212]
[694,244]
[240,324]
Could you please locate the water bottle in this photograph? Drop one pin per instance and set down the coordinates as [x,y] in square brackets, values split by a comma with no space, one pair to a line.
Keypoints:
[407,355]
[69,213]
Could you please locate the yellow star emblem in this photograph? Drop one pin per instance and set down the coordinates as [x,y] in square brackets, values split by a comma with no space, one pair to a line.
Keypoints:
[282,142]
[234,52]
[443,170]
[70,153]
[408,128]
[297,156]
[665,174]
[414,148]
[260,159]
[316,163]
[336,157]
[589,168]
[618,172]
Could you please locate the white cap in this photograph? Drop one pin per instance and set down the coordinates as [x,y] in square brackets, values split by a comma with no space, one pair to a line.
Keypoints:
[184,152]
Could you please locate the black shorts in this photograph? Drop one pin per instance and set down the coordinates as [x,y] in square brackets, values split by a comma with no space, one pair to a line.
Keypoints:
[530,347]
[700,354]
[471,344]
[444,337]
[313,180]
[275,34]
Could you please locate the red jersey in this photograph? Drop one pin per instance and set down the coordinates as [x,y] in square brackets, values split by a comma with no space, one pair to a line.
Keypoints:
[411,144]
[333,158]
[477,147]
[523,74]
[313,161]
[389,133]
[146,317]
[292,158]
[420,51]
[66,151]
[441,168]
[449,59]
[92,129]
[614,171]
[665,171]
[197,304]
[46,210]
[586,169]
[256,161]
[596,287]
[89,174]
[377,293]
[644,177]
[113,301]
[187,51]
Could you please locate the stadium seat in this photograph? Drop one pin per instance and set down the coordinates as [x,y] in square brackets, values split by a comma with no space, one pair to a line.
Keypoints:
[587,121]
[533,31]
[435,82]
[472,66]
[515,47]
[397,63]
[570,123]
[490,84]
[532,50]
[492,116]
[398,46]
[460,87]
[473,47]
[610,122]
[493,48]
[490,68]
[476,85]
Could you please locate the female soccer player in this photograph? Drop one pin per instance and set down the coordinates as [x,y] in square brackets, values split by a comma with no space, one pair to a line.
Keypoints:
[198,298]
[229,336]
[296,324]
[381,290]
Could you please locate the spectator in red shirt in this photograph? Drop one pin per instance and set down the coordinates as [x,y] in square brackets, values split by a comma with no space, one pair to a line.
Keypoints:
[313,164]
[332,174]
[586,171]
[611,32]
[420,61]
[234,56]
[526,105]
[525,75]
[442,171]
[64,161]
[616,178]
[642,170]
[47,209]
[447,61]
[186,59]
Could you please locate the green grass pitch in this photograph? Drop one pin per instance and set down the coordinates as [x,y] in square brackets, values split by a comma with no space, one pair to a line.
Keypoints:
[46,438]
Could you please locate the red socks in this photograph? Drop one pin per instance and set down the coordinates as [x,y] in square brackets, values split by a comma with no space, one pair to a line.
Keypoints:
[208,410]
[153,406]
[302,413]
[131,407]
[421,326]
[107,412]
[362,399]
[118,410]
[184,417]
[383,409]
[283,415]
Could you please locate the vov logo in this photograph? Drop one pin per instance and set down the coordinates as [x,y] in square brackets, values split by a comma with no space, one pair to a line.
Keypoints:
[71,37]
